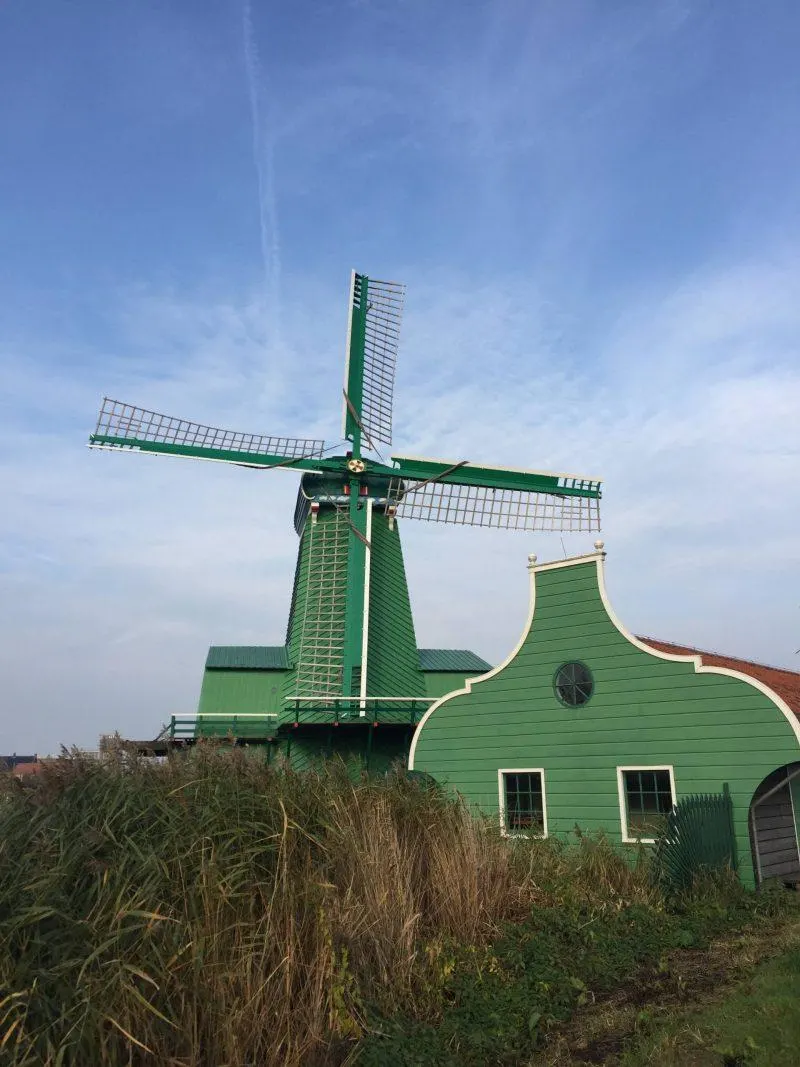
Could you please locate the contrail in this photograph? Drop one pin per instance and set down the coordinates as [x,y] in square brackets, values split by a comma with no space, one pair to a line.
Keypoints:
[264,161]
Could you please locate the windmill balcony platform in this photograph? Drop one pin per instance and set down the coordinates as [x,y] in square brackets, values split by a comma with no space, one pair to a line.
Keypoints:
[300,712]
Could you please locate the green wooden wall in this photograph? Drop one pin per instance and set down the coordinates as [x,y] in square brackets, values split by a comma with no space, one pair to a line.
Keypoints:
[439,683]
[351,744]
[231,692]
[644,711]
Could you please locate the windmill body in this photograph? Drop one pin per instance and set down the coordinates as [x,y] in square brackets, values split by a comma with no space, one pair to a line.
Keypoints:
[350,663]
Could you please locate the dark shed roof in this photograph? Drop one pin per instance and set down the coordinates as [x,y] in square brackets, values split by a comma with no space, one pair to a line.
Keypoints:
[451,659]
[247,658]
[275,658]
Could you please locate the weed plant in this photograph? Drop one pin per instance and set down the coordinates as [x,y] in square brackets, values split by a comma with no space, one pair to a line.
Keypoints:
[212,911]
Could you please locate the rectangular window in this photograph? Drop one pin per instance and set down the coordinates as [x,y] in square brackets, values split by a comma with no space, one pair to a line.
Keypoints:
[522,802]
[647,796]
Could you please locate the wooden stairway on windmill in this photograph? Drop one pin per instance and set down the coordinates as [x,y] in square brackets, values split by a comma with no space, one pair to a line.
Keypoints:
[322,597]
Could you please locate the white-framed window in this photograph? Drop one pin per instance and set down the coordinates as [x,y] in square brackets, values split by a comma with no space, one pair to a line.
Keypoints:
[646,797]
[523,802]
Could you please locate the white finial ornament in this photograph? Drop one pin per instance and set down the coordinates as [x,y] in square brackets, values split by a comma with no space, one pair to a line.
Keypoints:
[532,559]
[599,545]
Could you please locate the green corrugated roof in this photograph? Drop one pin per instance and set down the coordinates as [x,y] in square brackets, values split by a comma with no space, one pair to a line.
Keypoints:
[247,658]
[451,659]
[275,658]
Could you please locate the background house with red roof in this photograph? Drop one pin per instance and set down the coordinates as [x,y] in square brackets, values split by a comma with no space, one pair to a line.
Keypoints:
[20,766]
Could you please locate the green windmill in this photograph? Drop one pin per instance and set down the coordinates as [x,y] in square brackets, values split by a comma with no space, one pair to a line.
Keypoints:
[350,659]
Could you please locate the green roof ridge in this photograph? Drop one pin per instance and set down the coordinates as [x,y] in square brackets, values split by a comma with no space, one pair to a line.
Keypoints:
[276,658]
[247,658]
[451,659]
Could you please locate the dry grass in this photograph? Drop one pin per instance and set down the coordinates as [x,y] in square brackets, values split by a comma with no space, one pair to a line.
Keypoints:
[215,911]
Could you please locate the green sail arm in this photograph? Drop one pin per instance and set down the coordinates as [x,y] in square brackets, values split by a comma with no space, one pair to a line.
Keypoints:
[221,455]
[453,473]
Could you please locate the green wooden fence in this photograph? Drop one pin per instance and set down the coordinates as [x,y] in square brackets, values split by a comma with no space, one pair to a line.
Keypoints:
[698,836]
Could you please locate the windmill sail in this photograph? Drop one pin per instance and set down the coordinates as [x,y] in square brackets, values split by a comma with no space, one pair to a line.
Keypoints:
[468,495]
[124,426]
[373,336]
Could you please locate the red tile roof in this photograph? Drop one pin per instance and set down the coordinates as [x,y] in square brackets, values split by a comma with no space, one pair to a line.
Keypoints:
[22,770]
[784,682]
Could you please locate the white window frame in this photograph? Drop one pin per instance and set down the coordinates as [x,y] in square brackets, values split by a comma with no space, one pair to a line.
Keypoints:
[502,795]
[623,807]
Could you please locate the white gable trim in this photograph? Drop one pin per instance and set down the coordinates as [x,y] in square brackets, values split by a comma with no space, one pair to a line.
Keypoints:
[470,682]
[570,561]
[699,666]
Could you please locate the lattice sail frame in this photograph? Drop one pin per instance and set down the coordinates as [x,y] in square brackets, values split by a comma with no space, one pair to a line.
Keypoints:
[507,509]
[127,425]
[385,302]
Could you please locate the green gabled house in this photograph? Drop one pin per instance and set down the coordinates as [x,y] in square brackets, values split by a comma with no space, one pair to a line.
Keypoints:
[586,725]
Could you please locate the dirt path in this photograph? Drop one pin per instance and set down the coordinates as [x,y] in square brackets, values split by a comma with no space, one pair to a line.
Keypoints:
[687,980]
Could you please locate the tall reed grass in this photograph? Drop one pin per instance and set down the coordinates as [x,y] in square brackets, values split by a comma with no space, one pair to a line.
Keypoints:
[215,911]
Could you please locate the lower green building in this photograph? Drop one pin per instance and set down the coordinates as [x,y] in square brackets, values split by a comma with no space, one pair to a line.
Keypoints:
[244,694]
[288,698]
[585,725]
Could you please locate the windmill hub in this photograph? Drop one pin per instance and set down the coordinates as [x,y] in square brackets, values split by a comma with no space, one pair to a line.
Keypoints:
[332,490]
[356,466]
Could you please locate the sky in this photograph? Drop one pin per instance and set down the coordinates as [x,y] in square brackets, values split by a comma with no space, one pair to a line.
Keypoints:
[595,207]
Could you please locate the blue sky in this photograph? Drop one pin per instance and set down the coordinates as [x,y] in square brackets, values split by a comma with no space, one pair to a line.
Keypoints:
[596,209]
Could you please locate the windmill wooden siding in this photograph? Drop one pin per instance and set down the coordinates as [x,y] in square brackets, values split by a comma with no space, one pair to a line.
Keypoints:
[645,711]
[392,658]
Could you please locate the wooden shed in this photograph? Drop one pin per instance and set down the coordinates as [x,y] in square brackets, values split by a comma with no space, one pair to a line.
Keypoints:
[587,725]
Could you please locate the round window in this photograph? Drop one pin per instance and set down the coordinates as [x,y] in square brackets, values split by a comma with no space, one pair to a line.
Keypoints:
[573,684]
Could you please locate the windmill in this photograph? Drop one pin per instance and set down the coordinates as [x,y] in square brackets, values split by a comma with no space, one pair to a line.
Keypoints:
[350,647]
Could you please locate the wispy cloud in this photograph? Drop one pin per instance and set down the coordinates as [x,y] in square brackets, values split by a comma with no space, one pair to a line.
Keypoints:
[262,117]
